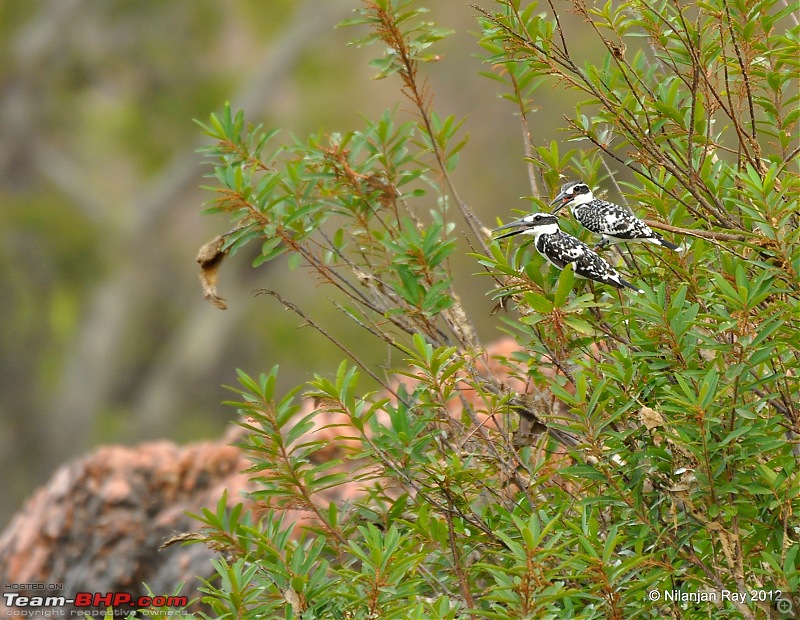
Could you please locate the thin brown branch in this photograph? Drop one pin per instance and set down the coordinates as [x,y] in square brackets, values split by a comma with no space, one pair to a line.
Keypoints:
[526,136]
[310,322]
[745,75]
[693,232]
[454,550]
[417,92]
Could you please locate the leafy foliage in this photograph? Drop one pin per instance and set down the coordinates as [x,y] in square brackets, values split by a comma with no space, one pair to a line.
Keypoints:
[678,408]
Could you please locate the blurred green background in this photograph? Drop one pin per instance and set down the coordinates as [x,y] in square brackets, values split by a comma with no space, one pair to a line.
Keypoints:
[105,337]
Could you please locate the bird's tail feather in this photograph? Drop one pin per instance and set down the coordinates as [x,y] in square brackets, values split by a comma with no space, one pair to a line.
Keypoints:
[669,245]
[627,284]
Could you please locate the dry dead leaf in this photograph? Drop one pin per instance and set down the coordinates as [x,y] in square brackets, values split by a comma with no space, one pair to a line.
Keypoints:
[179,539]
[291,597]
[651,418]
[210,258]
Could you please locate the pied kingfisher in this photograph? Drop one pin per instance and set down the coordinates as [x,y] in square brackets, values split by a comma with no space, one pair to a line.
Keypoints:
[613,223]
[559,248]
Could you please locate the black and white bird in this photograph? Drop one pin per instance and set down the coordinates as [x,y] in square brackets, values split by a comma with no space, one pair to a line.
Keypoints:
[560,248]
[613,223]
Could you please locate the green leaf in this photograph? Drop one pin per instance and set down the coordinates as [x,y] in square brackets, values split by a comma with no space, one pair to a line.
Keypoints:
[565,281]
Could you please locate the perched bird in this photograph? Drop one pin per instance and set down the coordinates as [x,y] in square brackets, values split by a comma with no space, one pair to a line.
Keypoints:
[613,223]
[559,248]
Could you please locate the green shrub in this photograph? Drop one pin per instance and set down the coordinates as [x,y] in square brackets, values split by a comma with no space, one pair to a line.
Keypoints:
[679,408]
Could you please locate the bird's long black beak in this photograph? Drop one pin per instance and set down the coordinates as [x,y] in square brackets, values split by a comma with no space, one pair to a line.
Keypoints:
[513,228]
[560,199]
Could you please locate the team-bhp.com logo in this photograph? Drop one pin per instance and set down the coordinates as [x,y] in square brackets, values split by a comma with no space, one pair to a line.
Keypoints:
[94,599]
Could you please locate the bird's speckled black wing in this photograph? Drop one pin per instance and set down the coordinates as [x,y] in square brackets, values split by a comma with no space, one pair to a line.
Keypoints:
[614,224]
[606,218]
[561,248]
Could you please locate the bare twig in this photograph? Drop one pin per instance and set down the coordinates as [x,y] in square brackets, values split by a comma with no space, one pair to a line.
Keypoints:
[526,137]
[693,232]
[309,321]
